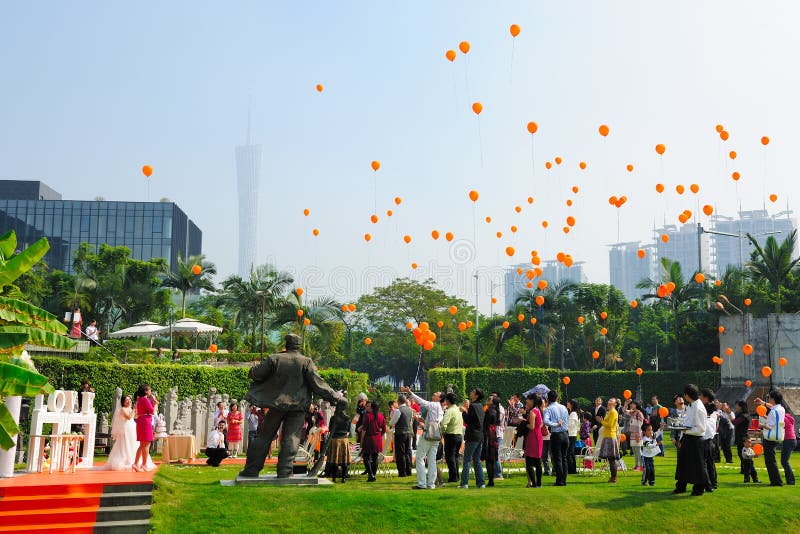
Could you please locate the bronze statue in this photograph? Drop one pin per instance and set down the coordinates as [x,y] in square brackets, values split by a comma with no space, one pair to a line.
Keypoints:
[284,383]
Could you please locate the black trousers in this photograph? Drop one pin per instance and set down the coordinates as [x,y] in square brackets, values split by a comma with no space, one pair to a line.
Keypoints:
[452,443]
[749,470]
[546,456]
[559,443]
[725,445]
[371,464]
[572,467]
[216,455]
[402,454]
[710,449]
[533,466]
[772,463]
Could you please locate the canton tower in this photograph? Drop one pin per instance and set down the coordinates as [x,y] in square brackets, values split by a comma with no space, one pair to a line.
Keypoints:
[248,170]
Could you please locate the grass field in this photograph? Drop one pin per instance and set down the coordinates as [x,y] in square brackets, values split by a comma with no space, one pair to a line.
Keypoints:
[190,499]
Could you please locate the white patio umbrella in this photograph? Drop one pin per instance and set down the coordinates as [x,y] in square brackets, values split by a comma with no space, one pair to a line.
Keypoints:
[142,329]
[189,326]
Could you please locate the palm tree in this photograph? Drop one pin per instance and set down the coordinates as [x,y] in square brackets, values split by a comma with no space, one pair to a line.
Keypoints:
[262,292]
[320,314]
[773,263]
[184,279]
[683,292]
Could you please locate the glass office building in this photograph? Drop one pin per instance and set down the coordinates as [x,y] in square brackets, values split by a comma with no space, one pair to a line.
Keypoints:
[149,229]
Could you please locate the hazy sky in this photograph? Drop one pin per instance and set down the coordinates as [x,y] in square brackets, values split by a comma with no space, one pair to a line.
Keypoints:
[93,90]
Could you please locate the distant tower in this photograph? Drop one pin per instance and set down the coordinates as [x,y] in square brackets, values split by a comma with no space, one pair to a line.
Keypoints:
[248,170]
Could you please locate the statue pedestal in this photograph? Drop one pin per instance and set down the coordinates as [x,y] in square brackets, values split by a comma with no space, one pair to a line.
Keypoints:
[272,480]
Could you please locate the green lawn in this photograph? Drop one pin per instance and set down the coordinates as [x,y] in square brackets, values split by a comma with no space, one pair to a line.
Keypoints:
[190,499]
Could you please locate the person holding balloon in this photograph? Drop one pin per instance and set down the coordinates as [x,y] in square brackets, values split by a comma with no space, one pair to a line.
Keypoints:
[741,422]
[691,468]
[748,452]
[609,433]
[771,415]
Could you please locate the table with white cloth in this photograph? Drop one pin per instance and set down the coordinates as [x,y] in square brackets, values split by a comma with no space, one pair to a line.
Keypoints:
[179,447]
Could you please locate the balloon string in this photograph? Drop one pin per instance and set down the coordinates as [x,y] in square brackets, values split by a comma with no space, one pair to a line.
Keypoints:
[533,167]
[466,77]
[511,68]
[374,193]
[480,140]
[618,240]
[475,230]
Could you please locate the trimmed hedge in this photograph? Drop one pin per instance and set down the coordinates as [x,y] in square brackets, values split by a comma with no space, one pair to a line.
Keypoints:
[187,357]
[191,380]
[586,384]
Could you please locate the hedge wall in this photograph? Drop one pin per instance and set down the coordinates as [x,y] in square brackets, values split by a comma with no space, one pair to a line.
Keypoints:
[190,380]
[586,384]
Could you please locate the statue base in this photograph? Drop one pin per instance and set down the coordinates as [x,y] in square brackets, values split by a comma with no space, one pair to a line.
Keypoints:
[272,480]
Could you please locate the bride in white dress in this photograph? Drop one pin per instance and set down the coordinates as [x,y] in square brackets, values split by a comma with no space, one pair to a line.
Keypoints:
[123,432]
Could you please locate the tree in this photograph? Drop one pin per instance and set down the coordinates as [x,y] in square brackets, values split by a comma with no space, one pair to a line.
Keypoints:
[773,263]
[184,279]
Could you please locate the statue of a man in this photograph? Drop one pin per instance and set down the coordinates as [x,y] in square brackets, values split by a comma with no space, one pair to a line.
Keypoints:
[284,383]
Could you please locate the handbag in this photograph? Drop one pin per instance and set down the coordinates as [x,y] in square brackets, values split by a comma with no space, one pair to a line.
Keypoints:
[775,433]
[433,431]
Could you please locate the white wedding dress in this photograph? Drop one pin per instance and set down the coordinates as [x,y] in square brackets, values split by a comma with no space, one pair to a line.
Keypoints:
[123,452]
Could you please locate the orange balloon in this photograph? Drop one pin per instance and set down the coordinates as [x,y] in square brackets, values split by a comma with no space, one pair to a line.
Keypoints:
[575,189]
[473,195]
[641,253]
[299,291]
[147,170]
[732,154]
[367,238]
[548,165]
[453,310]
[663,411]
[659,188]
[469,324]
[719,128]
[545,224]
[213,347]
[514,29]
[765,140]
[582,165]
[569,202]
[196,269]
[499,235]
[530,200]
[506,324]
[398,200]
[462,326]
[407,239]
[319,87]
[721,329]
[782,361]
[623,438]
[758,448]
[604,315]
[488,220]
[306,212]
[629,167]
[566,380]
[510,251]
[634,304]
[773,197]
[748,383]
[539,300]
[518,208]
[389,213]
[761,410]
[724,135]
[409,325]
[747,349]
[306,321]
[728,351]
[708,209]
[533,320]
[374,218]
[660,149]
[595,355]
[571,220]
[558,160]
[581,319]
[639,371]
[680,189]
[603,331]
[368,341]
[520,317]
[533,127]
[463,46]
[315,231]
[694,188]
[435,234]
[448,236]
[603,129]
[351,307]
[699,278]
[747,302]
[440,324]
[414,266]
[376,165]
[450,55]
[664,238]
[494,300]
[300,313]
[477,107]
[513,229]
[736,176]
[542,285]
[627,394]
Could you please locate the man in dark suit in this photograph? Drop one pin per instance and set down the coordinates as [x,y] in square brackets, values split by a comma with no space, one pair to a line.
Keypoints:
[284,383]
[598,412]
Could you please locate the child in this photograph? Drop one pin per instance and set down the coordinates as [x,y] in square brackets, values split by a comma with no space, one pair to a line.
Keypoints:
[585,431]
[747,461]
[650,449]
[339,448]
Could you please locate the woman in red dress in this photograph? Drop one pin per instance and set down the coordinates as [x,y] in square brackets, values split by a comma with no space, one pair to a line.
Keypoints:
[146,404]
[235,418]
[373,427]
[533,441]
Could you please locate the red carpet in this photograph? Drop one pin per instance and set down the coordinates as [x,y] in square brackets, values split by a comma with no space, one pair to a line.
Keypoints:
[58,502]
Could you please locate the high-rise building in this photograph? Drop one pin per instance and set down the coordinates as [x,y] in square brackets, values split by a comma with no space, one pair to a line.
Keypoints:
[149,229]
[554,272]
[248,171]
[627,269]
[734,249]
[682,246]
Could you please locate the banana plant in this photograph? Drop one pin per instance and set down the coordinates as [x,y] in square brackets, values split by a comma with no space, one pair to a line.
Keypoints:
[20,323]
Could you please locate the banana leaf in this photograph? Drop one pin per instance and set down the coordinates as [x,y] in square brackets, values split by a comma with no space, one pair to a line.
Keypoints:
[36,336]
[21,263]
[12,343]
[8,428]
[17,311]
[8,244]
[16,380]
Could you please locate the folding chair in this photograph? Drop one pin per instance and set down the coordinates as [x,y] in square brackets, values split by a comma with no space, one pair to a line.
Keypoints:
[384,458]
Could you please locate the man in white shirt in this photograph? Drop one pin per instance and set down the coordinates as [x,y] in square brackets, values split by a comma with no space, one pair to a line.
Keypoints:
[709,444]
[215,445]
[427,448]
[92,333]
[691,467]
